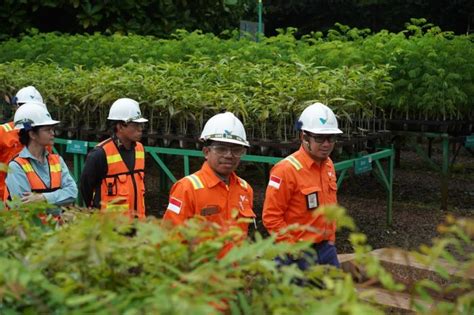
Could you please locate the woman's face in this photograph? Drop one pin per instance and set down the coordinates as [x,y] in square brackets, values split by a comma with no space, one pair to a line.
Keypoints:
[44,136]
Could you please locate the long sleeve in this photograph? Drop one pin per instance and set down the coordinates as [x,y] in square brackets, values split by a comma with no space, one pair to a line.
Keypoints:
[95,170]
[181,205]
[16,181]
[277,198]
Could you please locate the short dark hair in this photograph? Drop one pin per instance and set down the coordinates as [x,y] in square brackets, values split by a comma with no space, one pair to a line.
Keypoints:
[24,135]
[113,124]
[207,143]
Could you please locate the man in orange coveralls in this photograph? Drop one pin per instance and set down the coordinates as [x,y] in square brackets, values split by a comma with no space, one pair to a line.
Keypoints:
[215,191]
[10,144]
[302,182]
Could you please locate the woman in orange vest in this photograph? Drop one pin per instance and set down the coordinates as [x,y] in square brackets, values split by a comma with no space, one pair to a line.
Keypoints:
[113,174]
[35,174]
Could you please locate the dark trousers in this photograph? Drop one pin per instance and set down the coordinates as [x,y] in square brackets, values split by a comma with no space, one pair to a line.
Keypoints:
[326,254]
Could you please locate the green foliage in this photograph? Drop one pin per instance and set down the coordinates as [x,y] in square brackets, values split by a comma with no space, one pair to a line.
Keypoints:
[452,257]
[107,264]
[419,73]
[104,263]
[178,97]
[431,72]
[157,17]
[310,15]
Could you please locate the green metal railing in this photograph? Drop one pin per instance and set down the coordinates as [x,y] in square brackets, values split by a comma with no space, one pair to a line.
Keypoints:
[361,164]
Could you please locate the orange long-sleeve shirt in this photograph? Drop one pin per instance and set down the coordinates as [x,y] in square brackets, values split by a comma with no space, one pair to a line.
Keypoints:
[10,146]
[204,194]
[297,186]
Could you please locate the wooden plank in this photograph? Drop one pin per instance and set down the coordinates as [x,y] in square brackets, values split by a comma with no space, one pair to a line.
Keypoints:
[404,267]
[393,300]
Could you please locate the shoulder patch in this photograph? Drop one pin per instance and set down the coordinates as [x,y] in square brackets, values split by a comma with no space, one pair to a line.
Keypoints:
[294,162]
[274,181]
[243,183]
[195,181]
[3,167]
[174,205]
[7,127]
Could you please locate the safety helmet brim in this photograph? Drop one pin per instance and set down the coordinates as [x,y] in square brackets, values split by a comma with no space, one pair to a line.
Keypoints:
[323,131]
[48,123]
[20,125]
[32,114]
[140,120]
[227,140]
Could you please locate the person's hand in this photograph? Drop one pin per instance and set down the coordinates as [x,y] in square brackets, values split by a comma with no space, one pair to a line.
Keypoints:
[29,197]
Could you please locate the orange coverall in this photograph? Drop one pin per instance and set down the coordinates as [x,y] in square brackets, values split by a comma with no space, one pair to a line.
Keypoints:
[205,194]
[297,186]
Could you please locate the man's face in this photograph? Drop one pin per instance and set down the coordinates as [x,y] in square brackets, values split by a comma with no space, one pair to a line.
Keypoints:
[131,131]
[223,157]
[318,146]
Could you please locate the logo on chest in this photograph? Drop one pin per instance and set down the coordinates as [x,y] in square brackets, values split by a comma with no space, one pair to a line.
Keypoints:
[243,198]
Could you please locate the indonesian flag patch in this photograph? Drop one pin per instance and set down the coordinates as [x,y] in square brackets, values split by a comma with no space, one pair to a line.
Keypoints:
[175,205]
[274,182]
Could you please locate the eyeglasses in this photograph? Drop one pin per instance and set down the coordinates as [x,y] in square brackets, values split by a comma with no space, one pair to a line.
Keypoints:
[323,138]
[224,150]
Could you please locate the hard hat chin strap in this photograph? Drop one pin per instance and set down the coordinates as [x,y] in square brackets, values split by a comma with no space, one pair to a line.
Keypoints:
[14,101]
[306,139]
[27,126]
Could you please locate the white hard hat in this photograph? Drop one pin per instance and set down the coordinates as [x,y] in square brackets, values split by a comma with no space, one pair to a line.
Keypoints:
[28,94]
[225,127]
[127,110]
[318,119]
[32,115]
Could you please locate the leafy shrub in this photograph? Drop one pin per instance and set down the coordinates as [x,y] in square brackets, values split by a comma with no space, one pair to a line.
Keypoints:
[178,97]
[158,17]
[431,71]
[107,264]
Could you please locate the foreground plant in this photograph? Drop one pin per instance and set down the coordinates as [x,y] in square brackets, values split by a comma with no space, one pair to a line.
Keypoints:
[107,264]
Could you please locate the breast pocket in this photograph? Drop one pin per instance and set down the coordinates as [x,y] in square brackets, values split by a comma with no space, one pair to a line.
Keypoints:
[332,193]
[245,217]
[246,213]
[123,189]
[312,197]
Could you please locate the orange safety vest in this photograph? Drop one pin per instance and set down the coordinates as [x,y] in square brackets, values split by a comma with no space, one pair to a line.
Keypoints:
[122,187]
[10,146]
[36,183]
